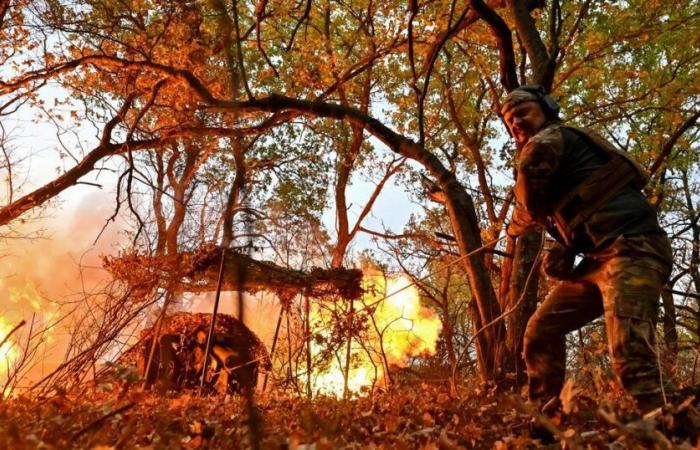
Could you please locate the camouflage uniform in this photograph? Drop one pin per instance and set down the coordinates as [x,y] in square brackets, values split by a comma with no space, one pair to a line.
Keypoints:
[627,260]
[623,282]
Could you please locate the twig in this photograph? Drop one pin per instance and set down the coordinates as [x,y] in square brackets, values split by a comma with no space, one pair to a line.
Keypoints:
[12,331]
[637,430]
[434,272]
[274,346]
[544,421]
[301,20]
[88,183]
[96,423]
[449,237]
[259,16]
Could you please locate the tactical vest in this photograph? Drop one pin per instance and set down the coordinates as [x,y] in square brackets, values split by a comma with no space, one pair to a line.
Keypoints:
[621,170]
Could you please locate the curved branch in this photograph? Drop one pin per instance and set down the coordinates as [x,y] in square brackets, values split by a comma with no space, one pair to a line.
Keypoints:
[4,8]
[71,177]
[464,21]
[668,146]
[506,55]
[304,17]
[12,331]
[476,155]
[532,41]
[239,51]
[259,16]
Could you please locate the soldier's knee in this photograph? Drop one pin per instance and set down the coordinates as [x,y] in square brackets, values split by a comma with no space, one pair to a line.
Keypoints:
[537,333]
[530,341]
[534,348]
[534,328]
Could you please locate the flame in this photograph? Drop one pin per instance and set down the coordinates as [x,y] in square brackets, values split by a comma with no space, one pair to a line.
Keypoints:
[8,351]
[26,301]
[27,295]
[44,281]
[398,329]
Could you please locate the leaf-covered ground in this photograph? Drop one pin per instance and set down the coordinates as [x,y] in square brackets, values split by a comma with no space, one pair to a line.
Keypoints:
[404,417]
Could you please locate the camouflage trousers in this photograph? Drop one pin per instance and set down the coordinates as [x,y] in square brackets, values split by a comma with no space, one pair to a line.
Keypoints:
[623,282]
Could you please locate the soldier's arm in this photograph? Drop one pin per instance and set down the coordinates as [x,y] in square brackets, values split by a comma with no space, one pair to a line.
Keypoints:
[538,162]
[520,222]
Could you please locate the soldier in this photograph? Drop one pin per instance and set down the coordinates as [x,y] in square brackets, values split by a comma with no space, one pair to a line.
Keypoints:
[587,195]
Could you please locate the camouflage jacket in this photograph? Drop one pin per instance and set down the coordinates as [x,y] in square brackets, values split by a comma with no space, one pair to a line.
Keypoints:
[552,163]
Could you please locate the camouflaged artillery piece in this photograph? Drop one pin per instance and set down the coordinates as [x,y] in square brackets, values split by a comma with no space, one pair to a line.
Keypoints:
[236,358]
[237,354]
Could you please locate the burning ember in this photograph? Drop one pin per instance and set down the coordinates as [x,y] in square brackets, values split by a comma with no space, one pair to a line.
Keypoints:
[394,329]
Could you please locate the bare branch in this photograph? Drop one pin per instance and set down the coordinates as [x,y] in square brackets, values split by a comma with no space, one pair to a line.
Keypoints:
[509,77]
[259,16]
[12,331]
[668,146]
[391,170]
[304,17]
[536,50]
[71,177]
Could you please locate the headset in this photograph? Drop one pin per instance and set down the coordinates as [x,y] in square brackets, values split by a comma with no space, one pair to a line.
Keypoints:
[549,105]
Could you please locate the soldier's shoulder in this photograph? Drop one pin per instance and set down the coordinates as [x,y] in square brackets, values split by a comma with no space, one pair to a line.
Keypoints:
[551,135]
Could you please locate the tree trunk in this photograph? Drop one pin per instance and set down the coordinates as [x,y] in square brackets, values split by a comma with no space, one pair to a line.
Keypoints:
[345,165]
[180,198]
[485,307]
[159,188]
[522,299]
[234,196]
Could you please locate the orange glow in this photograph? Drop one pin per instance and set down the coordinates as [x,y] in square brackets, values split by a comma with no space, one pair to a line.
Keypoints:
[407,330]
[8,351]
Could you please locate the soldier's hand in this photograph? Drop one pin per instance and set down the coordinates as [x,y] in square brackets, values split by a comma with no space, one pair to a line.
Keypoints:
[515,230]
[559,262]
[512,230]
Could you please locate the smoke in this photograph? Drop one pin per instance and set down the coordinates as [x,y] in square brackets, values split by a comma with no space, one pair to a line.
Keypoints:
[46,269]
[46,275]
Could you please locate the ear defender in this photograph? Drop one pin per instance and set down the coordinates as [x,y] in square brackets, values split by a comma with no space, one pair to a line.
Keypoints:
[548,103]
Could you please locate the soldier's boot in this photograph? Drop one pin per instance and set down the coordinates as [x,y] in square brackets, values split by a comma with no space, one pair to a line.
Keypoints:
[689,391]
[551,409]
[687,423]
[539,432]
[682,419]
[544,355]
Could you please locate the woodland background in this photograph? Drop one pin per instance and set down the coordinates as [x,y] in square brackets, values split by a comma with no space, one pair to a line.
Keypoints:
[273,128]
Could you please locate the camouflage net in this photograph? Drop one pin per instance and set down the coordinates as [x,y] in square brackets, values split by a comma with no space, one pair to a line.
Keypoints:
[199,272]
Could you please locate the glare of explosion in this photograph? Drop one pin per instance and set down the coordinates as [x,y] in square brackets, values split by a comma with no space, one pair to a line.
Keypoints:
[407,328]
[8,352]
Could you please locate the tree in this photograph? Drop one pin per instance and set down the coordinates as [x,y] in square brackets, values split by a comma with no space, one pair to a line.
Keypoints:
[423,80]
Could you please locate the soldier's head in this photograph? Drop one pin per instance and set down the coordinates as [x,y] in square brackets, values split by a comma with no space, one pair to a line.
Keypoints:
[526,109]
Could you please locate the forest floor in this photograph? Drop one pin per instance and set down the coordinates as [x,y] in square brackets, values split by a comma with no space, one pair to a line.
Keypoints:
[407,416]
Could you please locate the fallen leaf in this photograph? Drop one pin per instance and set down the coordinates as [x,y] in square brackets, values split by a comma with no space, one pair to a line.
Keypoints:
[568,396]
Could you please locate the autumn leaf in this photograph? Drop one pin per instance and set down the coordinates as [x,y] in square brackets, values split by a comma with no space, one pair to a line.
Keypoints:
[568,396]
